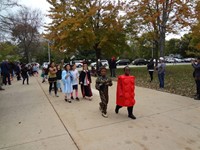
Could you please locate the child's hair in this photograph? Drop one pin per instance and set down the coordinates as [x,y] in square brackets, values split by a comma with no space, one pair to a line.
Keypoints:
[126,67]
[101,68]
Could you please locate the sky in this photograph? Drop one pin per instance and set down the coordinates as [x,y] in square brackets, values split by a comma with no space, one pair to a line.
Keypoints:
[43,5]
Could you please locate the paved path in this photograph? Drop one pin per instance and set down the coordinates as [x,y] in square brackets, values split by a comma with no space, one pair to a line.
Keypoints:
[30,119]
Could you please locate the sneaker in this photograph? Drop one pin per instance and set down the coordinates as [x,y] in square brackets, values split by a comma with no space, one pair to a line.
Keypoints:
[90,98]
[56,95]
[132,116]
[197,98]
[105,115]
[72,97]
[77,99]
[69,101]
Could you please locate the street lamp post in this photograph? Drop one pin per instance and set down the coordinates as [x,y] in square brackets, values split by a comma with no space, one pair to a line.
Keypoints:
[49,53]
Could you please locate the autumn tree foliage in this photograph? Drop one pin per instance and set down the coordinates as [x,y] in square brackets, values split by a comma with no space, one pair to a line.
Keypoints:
[161,17]
[97,25]
[195,42]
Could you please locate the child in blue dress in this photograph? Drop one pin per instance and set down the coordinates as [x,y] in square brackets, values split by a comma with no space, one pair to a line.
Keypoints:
[67,82]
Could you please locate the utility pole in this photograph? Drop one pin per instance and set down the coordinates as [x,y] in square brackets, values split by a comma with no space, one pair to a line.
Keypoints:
[49,52]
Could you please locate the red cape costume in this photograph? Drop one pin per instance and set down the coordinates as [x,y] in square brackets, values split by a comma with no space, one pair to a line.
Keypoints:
[125,91]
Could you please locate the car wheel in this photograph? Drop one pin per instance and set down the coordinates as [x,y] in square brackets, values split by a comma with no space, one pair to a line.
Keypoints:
[79,66]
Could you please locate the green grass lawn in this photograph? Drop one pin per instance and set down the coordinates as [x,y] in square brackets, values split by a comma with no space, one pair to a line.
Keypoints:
[178,79]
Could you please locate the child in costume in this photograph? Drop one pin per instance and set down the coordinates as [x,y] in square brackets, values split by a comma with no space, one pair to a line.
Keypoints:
[75,75]
[85,81]
[67,82]
[126,92]
[102,83]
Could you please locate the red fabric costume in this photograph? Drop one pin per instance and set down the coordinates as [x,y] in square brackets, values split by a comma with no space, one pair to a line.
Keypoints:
[125,91]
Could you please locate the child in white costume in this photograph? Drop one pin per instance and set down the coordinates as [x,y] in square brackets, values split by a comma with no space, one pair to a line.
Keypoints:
[75,75]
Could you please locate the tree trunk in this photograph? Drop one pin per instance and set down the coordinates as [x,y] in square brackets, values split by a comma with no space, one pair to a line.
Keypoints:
[98,55]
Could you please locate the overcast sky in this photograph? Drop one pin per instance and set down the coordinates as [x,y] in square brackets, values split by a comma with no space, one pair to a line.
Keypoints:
[43,5]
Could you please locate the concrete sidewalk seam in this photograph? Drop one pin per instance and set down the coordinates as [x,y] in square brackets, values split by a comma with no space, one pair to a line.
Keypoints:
[50,137]
[58,116]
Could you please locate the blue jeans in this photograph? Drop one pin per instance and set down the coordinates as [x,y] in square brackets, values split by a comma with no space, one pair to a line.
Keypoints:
[161,78]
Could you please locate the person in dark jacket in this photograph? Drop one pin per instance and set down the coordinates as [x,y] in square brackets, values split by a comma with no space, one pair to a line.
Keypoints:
[85,81]
[112,66]
[196,66]
[5,72]
[24,73]
[150,67]
[59,77]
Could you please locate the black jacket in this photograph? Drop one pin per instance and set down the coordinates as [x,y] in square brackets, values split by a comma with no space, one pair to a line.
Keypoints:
[82,76]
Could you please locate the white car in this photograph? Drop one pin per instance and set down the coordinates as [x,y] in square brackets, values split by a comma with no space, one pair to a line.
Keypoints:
[103,62]
[79,63]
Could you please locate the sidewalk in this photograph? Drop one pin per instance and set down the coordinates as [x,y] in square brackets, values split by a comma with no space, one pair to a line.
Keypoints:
[30,119]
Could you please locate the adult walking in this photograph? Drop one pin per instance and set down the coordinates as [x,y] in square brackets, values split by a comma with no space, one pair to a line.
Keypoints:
[52,78]
[5,70]
[196,67]
[161,72]
[1,83]
[150,67]
[112,66]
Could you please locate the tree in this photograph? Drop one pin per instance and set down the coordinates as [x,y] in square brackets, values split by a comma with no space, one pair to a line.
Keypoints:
[88,25]
[6,4]
[161,17]
[173,46]
[24,26]
[8,51]
[195,41]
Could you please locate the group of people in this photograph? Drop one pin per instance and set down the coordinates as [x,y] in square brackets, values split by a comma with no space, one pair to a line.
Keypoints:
[125,91]
[67,80]
[22,72]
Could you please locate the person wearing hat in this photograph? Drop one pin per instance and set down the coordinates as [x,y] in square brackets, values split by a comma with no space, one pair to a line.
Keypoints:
[161,72]
[196,67]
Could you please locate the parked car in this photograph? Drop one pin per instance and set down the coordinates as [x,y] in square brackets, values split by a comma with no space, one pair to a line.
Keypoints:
[79,63]
[140,61]
[188,59]
[103,62]
[123,62]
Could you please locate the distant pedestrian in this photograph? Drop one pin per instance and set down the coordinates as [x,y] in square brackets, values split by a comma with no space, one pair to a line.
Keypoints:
[1,81]
[52,78]
[5,70]
[161,72]
[24,73]
[75,75]
[150,67]
[85,81]
[126,92]
[59,78]
[112,67]
[102,83]
[196,67]
[67,82]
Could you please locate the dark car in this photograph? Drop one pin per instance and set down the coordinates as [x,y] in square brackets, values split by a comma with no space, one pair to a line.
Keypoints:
[140,61]
[123,62]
